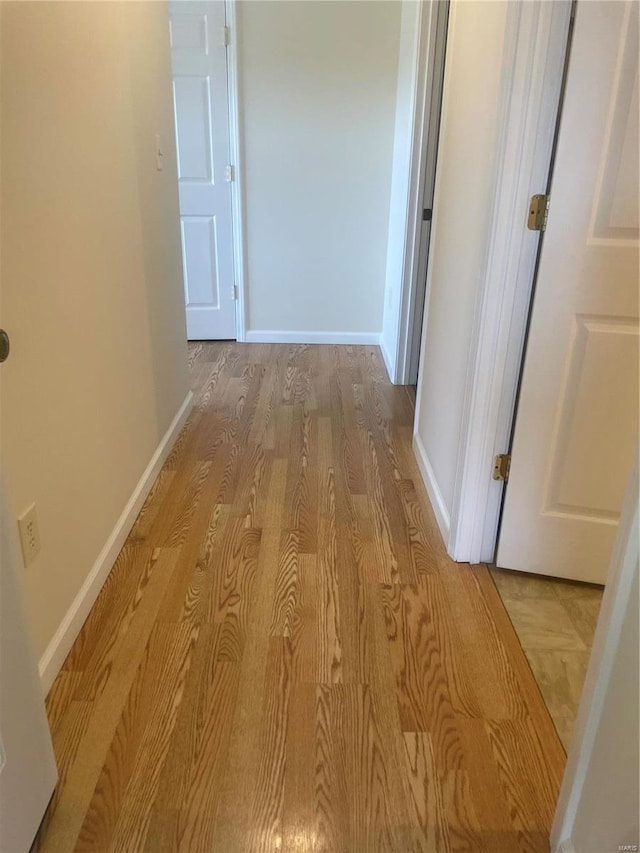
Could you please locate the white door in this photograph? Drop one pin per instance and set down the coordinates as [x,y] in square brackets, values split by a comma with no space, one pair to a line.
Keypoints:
[577,421]
[199,59]
[27,767]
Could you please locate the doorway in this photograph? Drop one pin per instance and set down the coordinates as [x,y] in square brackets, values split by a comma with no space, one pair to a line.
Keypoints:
[437,54]
[421,70]
[576,425]
[476,324]
[199,35]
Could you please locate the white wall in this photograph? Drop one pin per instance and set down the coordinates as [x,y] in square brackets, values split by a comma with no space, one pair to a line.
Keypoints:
[91,276]
[457,260]
[598,804]
[607,813]
[318,89]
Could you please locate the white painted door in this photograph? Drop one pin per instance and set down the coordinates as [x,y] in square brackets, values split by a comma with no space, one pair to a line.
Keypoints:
[199,59]
[577,421]
[27,767]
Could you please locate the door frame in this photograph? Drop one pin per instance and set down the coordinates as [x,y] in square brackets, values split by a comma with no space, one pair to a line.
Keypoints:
[410,336]
[534,55]
[423,39]
[406,252]
[237,160]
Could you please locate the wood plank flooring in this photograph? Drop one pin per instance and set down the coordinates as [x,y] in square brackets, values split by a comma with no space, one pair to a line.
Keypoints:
[283,657]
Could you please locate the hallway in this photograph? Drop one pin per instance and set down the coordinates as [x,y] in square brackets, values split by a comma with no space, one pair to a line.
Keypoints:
[284,657]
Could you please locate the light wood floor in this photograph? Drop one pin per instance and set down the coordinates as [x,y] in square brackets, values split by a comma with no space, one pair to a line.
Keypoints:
[283,657]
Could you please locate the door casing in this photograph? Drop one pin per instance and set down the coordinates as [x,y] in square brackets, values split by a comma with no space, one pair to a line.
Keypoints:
[238,217]
[534,57]
[423,33]
[560,514]
[236,161]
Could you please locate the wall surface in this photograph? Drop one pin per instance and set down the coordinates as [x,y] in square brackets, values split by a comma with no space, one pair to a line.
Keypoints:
[318,90]
[91,276]
[598,805]
[463,203]
[607,814]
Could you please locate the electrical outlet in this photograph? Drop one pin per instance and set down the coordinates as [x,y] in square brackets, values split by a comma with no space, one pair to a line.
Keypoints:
[29,535]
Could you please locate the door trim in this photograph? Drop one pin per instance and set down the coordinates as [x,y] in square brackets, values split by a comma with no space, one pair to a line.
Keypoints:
[411,322]
[405,252]
[236,158]
[534,56]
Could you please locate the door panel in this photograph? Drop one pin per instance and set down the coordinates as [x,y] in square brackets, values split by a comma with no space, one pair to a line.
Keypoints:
[201,277]
[202,140]
[192,96]
[577,420]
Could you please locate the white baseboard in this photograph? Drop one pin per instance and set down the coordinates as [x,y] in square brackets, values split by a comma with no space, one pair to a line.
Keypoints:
[60,645]
[274,337]
[433,490]
[388,362]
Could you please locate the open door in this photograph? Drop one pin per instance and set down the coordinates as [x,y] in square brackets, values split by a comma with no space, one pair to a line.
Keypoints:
[199,59]
[576,426]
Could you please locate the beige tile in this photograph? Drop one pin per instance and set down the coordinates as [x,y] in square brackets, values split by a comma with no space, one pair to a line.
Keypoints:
[573,589]
[560,676]
[522,585]
[565,724]
[543,624]
[584,613]
[555,621]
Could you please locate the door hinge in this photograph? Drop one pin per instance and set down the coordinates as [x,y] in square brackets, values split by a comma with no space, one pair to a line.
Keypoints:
[538,213]
[226,36]
[230,174]
[234,291]
[502,466]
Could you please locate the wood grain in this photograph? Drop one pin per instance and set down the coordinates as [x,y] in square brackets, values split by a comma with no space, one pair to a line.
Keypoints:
[283,656]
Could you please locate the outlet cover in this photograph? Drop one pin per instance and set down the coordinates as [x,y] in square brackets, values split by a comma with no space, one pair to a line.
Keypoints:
[29,535]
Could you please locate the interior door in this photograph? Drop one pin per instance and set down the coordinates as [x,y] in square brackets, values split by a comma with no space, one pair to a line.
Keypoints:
[199,58]
[577,422]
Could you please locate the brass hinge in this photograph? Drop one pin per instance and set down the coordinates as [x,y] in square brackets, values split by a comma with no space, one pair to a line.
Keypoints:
[501,468]
[538,213]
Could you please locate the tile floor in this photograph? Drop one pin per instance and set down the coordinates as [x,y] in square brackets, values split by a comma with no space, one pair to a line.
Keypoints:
[555,621]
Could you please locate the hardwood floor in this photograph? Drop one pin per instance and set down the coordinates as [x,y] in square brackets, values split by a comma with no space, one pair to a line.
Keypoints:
[283,657]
